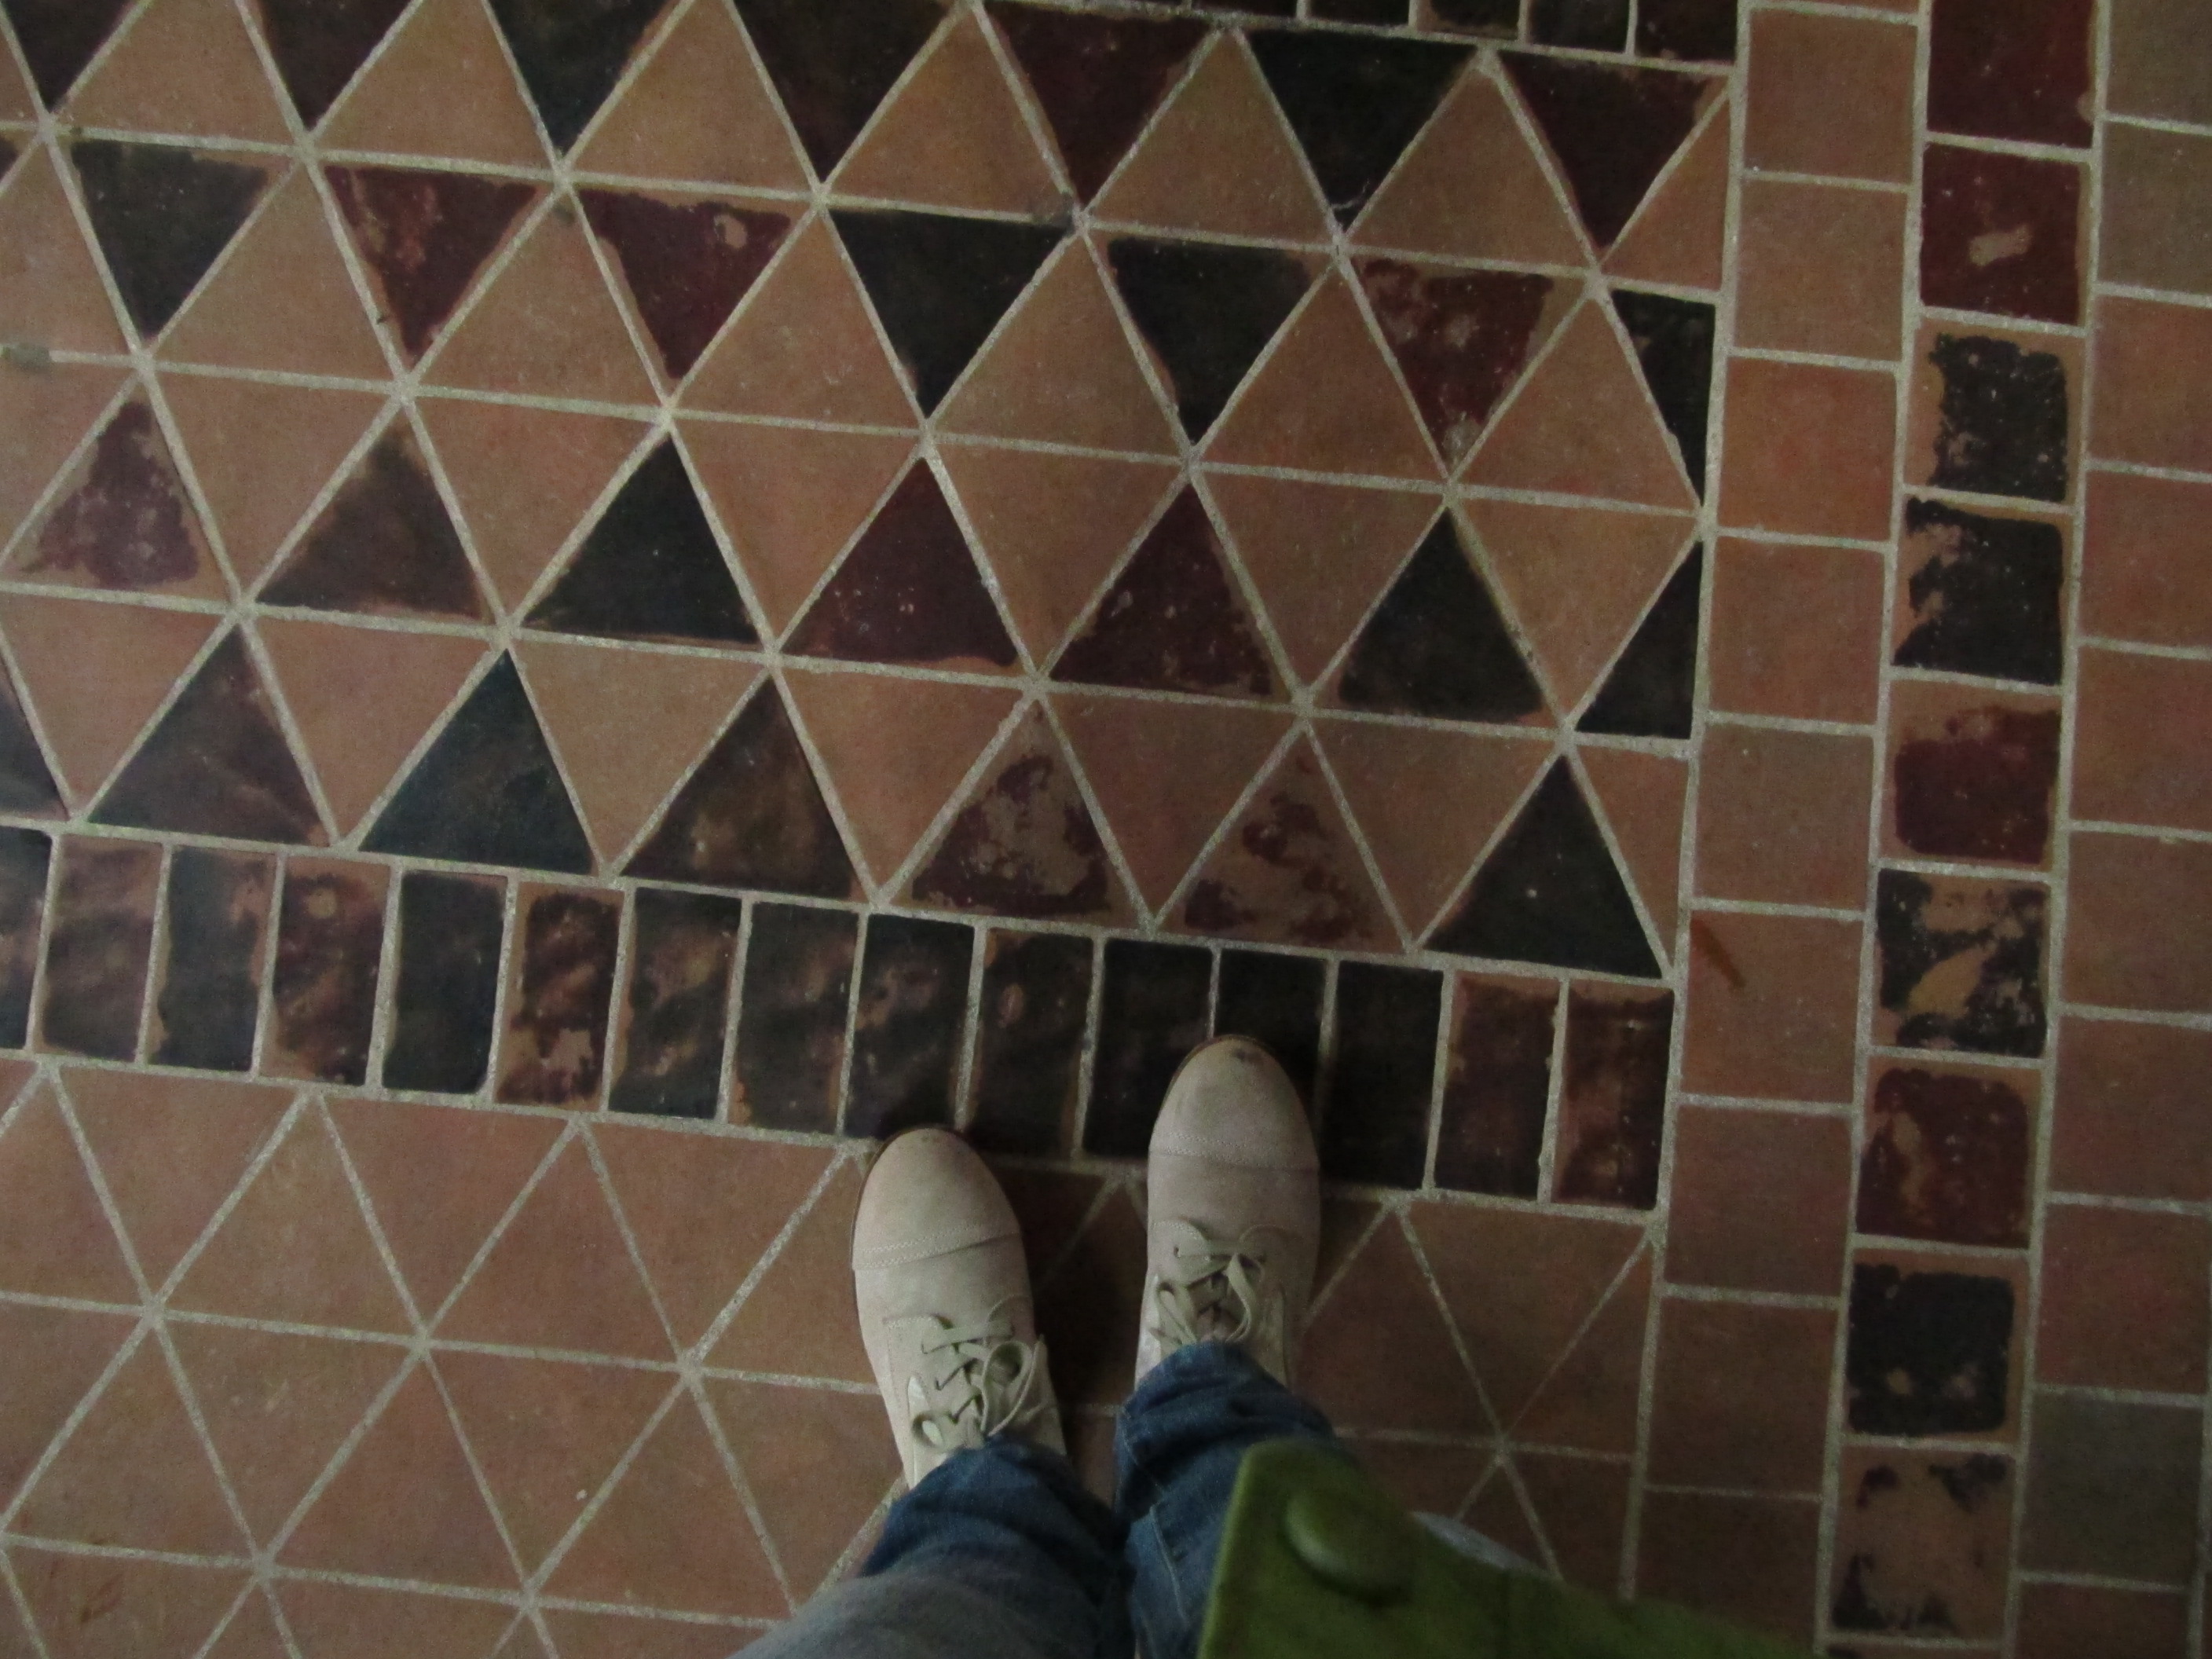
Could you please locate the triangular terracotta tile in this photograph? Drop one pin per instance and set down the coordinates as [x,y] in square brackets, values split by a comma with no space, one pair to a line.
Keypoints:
[1362,424]
[163,216]
[1641,796]
[1052,1206]
[1289,871]
[547,327]
[1218,158]
[1611,128]
[54,1238]
[1590,1401]
[524,477]
[1583,425]
[151,1606]
[296,1247]
[1088,1306]
[626,1636]
[954,136]
[319,48]
[1678,235]
[409,1473]
[1062,370]
[798,1320]
[1576,580]
[628,723]
[172,1149]
[818,1463]
[570,65]
[50,288]
[791,498]
[1354,103]
[686,262]
[133,1472]
[1319,553]
[49,1356]
[440,86]
[1052,525]
[895,749]
[363,698]
[252,1633]
[425,238]
[1500,1513]
[1473,187]
[123,519]
[1097,78]
[1426,1477]
[698,111]
[546,1434]
[1413,1378]
[1429,801]
[338,1619]
[44,415]
[183,67]
[1023,842]
[1582,1504]
[1165,773]
[278,1405]
[803,346]
[629,1554]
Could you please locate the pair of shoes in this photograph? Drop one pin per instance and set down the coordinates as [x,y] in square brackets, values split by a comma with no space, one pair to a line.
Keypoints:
[943,1290]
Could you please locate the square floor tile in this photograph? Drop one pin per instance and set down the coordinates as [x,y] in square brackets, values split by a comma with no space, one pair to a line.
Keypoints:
[1773,1006]
[1827,448]
[2125,1299]
[2157,215]
[2139,923]
[1782,815]
[1797,631]
[2128,1119]
[2144,751]
[1831,95]
[2111,1489]
[1761,1201]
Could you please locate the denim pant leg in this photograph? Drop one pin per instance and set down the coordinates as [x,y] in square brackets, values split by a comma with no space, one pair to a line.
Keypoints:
[1000,1553]
[1183,1436]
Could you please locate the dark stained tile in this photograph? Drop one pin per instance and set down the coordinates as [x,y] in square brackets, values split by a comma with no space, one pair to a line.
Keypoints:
[1612,1102]
[751,815]
[1983,594]
[1462,338]
[1652,689]
[59,38]
[906,1025]
[1029,1041]
[209,1003]
[1275,999]
[1151,1012]
[940,282]
[687,263]
[2001,232]
[1673,341]
[162,215]
[1381,1073]
[24,856]
[447,996]
[1288,872]
[1932,1350]
[1436,645]
[678,1008]
[571,56]
[1550,892]
[2003,421]
[129,524]
[1172,620]
[908,591]
[330,938]
[1971,776]
[651,569]
[2012,69]
[1594,25]
[791,1023]
[1947,1155]
[1355,102]
[1612,130]
[26,782]
[832,61]
[1497,1085]
[1922,1544]
[554,1053]
[1359,11]
[384,546]
[97,957]
[2111,1489]
[487,792]
[424,236]
[1702,31]
[217,763]
[1961,964]
[1097,78]
[1207,311]
[1477,16]
[318,44]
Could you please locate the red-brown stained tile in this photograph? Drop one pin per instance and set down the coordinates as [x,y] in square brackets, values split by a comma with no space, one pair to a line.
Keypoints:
[1462,338]
[1994,410]
[2001,232]
[1741,1395]
[1831,95]
[2139,580]
[1773,1006]
[97,957]
[1761,1201]
[1612,1098]
[554,1051]
[686,262]
[1937,1344]
[1822,266]
[2058,1621]
[2126,1120]
[1962,964]
[1999,69]
[1922,1544]
[1947,1154]
[1497,1089]
[2139,925]
[330,935]
[1972,774]
[1781,817]
[1755,1561]
[424,236]
[55,1239]
[2123,1299]
[2144,750]
[2153,393]
[1797,630]
[1826,450]
[123,520]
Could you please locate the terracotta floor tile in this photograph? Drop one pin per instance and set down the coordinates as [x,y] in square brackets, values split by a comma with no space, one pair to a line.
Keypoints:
[796,1321]
[440,86]
[671,1026]
[1774,1004]
[1821,268]
[57,1239]
[354,1621]
[685,261]
[1424,1384]
[2133,939]
[1769,656]
[184,67]
[1971,775]
[699,109]
[1582,1503]
[2012,72]
[1947,1154]
[819,1463]
[2058,1619]
[560,986]
[1088,1307]
[54,1355]
[50,287]
[2122,1302]
[1921,1544]
[1782,816]
[1823,467]
[2147,77]
[330,935]
[1677,236]
[1741,1396]
[2001,232]
[1641,796]
[1771,1545]
[2133,585]
[2119,1124]
[1611,131]
[2144,745]
[1831,95]
[1590,1401]
[2150,398]
[152,1605]
[616,1635]
[1761,1201]
[2106,1492]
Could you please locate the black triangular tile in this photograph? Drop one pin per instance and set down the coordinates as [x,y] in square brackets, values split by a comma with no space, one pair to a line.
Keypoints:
[651,569]
[687,264]
[1207,311]
[571,56]
[1674,341]
[217,764]
[1653,687]
[1355,102]
[940,283]
[751,815]
[59,38]
[1612,130]
[425,236]
[1438,646]
[318,44]
[162,215]
[1172,620]
[488,791]
[909,591]
[385,545]
[1593,25]
[1551,893]
[1098,79]
[26,784]
[832,61]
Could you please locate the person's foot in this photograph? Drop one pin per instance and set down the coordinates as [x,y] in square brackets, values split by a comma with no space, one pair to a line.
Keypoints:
[1235,1210]
[943,1293]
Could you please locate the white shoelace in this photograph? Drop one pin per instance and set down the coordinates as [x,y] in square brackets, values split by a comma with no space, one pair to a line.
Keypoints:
[982,1380]
[1215,1293]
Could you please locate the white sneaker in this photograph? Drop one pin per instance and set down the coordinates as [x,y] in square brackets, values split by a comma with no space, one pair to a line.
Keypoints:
[943,1294]
[1235,1210]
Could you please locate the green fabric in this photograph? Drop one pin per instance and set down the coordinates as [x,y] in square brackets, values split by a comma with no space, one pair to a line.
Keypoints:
[1294,1582]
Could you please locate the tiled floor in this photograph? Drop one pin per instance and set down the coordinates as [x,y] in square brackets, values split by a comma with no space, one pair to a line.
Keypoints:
[601,602]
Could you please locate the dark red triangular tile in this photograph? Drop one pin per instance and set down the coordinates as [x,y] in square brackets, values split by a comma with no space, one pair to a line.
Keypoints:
[424,237]
[124,521]
[687,263]
[162,216]
[1436,645]
[49,1356]
[55,1239]
[1612,128]
[1462,338]
[832,61]
[571,60]
[1096,77]
[1355,102]
[319,46]
[818,1464]
[1678,235]
[59,37]
[1674,343]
